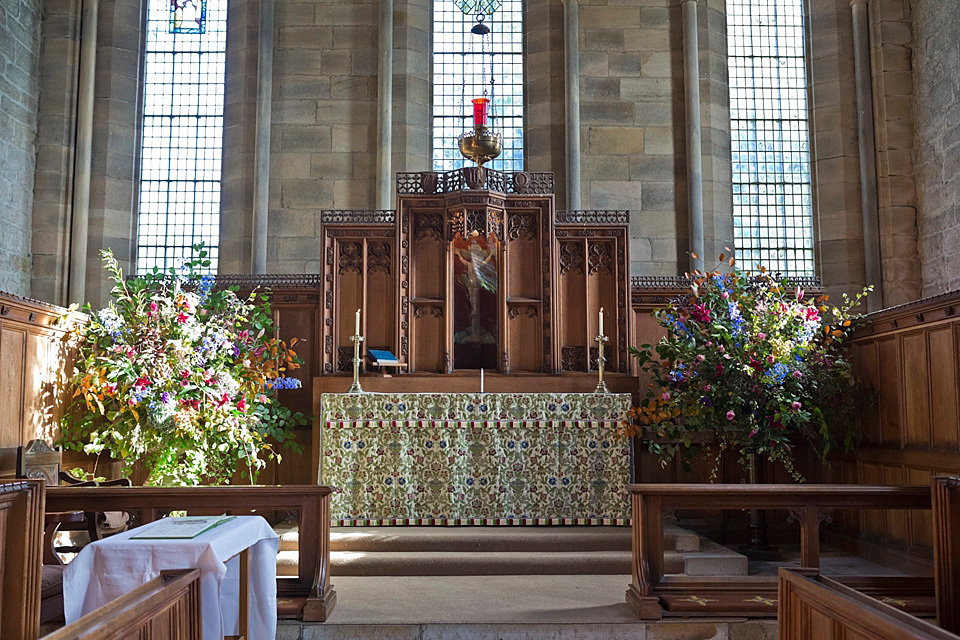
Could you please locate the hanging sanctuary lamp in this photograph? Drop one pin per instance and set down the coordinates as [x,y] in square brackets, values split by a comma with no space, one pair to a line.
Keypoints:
[481,143]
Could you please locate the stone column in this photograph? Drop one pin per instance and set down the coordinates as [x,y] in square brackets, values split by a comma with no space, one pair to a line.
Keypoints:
[79,233]
[571,54]
[691,83]
[385,106]
[868,154]
[261,153]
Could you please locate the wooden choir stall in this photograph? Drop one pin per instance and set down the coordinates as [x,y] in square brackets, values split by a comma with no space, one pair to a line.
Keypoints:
[492,301]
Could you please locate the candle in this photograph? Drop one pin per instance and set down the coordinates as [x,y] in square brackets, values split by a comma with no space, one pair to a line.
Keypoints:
[601,320]
[481,380]
[357,328]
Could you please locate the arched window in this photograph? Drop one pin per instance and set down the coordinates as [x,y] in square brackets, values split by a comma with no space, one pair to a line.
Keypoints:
[769,135]
[462,71]
[181,152]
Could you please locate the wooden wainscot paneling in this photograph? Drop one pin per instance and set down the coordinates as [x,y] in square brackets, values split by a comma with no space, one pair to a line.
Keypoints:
[36,361]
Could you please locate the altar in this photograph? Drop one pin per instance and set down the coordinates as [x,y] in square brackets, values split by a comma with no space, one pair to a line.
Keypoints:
[475,458]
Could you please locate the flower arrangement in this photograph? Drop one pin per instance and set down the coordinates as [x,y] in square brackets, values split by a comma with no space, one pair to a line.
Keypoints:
[753,360]
[180,376]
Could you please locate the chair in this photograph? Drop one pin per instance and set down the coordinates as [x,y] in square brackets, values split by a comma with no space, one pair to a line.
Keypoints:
[39,460]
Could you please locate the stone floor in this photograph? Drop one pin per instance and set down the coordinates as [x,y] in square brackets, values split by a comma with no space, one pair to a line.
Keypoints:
[585,607]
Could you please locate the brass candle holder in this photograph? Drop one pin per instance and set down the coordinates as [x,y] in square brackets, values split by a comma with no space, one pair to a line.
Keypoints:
[601,340]
[355,387]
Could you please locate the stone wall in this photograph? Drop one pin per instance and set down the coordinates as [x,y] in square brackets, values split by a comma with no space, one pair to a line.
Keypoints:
[936,108]
[19,95]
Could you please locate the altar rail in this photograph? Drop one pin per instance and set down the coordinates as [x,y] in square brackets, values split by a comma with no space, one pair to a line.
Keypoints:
[166,607]
[311,503]
[812,606]
[651,593]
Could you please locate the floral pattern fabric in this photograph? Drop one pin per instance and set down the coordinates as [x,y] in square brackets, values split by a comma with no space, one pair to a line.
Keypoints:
[475,458]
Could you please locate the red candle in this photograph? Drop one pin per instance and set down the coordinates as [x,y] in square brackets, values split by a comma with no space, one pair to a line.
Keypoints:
[480,112]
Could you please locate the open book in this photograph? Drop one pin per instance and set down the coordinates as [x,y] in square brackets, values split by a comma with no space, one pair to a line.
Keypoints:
[182,528]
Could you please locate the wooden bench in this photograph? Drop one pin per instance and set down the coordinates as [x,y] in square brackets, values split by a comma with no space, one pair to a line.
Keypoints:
[21,535]
[165,608]
[652,594]
[310,505]
[813,606]
[945,494]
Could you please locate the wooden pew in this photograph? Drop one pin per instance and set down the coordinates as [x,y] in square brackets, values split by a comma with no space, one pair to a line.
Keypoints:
[651,592]
[812,606]
[945,493]
[21,553]
[165,608]
[310,503]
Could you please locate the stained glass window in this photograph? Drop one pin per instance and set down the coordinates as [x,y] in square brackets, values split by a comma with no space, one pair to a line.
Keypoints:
[462,70]
[188,16]
[769,135]
[181,151]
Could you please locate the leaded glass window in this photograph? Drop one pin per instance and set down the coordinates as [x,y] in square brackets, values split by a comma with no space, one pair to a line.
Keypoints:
[769,135]
[462,71]
[181,153]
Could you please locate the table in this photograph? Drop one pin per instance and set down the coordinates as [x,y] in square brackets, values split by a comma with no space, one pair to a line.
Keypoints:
[109,568]
[475,458]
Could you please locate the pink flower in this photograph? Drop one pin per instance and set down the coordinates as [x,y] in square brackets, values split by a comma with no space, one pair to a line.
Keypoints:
[706,388]
[770,359]
[242,405]
[709,343]
[797,375]
[701,313]
[761,336]
[664,396]
[795,405]
[725,295]
[700,358]
[182,317]
[753,433]
[153,310]
[262,399]
[731,415]
[799,293]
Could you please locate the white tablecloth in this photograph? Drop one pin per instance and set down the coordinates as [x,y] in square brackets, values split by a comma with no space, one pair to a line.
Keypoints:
[109,568]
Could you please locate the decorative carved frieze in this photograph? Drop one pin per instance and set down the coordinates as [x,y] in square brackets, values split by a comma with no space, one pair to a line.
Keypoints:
[529,310]
[357,216]
[429,225]
[593,216]
[345,358]
[378,257]
[573,358]
[434,310]
[599,259]
[328,299]
[247,282]
[351,258]
[475,178]
[571,258]
[522,225]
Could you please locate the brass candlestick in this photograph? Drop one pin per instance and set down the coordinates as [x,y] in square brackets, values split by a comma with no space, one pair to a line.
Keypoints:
[355,387]
[601,360]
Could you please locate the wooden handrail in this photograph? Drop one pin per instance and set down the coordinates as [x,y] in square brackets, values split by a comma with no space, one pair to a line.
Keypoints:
[805,502]
[166,607]
[310,501]
[812,606]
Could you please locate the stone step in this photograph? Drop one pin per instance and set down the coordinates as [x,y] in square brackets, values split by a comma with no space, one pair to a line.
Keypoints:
[471,539]
[713,559]
[456,563]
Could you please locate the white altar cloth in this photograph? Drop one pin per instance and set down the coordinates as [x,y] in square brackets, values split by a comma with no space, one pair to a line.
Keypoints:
[109,568]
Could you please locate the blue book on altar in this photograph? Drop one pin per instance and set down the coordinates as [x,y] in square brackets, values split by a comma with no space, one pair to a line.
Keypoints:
[382,356]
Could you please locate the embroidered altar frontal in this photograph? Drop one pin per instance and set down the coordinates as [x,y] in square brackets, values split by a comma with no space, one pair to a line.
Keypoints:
[464,458]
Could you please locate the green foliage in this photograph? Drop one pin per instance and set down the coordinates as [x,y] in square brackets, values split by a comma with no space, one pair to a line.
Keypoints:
[754,361]
[181,377]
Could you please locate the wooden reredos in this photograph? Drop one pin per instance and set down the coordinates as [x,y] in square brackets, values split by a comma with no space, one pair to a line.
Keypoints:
[476,269]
